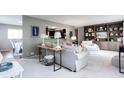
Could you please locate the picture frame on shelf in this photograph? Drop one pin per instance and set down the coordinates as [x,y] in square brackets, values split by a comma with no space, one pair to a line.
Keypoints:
[35,31]
[101,34]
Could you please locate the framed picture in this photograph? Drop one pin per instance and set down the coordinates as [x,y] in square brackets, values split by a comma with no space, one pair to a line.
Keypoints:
[35,31]
[101,34]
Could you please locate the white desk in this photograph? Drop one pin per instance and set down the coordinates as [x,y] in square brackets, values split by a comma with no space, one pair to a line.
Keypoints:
[15,71]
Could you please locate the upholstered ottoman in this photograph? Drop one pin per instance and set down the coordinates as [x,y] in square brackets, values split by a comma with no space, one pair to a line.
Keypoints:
[115,61]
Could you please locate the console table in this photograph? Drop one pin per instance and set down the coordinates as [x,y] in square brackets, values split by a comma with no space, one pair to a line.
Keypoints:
[121,50]
[54,51]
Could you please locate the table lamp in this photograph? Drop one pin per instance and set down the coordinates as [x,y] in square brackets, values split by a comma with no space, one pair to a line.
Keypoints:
[57,35]
[73,38]
[43,36]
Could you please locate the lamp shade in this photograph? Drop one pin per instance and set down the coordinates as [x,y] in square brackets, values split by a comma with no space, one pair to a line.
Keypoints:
[73,38]
[57,35]
[44,36]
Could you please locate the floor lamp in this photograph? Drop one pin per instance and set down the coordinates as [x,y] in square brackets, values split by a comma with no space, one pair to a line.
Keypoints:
[57,35]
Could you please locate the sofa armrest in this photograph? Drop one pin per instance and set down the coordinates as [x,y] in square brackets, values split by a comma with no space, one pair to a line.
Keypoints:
[8,56]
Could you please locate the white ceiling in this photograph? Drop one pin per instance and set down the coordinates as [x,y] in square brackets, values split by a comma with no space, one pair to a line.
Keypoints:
[80,20]
[74,20]
[11,19]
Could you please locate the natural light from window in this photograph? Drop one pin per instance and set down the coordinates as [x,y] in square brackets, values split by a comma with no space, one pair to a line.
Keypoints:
[15,33]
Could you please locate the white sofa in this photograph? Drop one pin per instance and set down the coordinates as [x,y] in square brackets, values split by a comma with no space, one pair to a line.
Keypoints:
[91,47]
[73,58]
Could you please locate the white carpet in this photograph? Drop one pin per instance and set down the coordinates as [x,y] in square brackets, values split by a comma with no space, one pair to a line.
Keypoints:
[99,66]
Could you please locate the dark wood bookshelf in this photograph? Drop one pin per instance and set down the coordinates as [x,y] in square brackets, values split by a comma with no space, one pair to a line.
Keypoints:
[106,35]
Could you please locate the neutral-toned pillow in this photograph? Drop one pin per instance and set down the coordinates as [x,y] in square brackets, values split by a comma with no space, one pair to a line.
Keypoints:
[80,48]
[87,43]
[1,57]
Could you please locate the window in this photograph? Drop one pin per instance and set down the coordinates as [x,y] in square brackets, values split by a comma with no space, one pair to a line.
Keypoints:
[14,33]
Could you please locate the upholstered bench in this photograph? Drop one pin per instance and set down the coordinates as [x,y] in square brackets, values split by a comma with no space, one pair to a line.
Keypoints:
[115,61]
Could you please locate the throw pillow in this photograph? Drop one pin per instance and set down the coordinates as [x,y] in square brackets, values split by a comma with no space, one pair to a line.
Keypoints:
[69,43]
[79,49]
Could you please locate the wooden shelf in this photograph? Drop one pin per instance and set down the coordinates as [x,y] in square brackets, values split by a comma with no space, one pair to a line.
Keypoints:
[89,33]
[111,41]
[109,28]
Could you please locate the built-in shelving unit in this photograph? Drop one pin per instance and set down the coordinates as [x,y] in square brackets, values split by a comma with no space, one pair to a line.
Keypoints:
[89,33]
[106,35]
[115,31]
[101,32]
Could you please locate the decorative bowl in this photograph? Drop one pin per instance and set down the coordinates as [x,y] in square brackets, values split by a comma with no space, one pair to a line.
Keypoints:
[5,66]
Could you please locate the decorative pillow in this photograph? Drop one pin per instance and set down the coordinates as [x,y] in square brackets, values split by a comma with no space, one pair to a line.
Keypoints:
[69,43]
[87,42]
[1,57]
[79,49]
[73,48]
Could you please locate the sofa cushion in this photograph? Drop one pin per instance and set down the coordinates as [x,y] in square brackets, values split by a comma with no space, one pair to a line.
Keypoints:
[7,57]
[76,49]
[70,47]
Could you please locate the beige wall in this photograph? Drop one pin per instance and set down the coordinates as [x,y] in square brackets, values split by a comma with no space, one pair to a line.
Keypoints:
[4,41]
[29,42]
[80,34]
